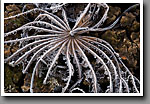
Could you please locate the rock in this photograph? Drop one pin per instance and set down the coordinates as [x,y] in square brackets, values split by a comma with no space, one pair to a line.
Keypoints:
[12,78]
[127,20]
[126,40]
[135,26]
[6,50]
[13,23]
[38,87]
[113,13]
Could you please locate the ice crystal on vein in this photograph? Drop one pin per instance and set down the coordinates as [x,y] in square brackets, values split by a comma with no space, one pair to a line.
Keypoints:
[61,39]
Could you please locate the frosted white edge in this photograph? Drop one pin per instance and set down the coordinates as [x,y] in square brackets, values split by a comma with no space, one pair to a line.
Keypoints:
[71,94]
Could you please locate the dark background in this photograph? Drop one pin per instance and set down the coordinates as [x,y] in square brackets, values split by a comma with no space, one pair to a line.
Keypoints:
[100,100]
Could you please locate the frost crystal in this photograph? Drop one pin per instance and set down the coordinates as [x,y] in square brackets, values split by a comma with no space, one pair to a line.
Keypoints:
[54,37]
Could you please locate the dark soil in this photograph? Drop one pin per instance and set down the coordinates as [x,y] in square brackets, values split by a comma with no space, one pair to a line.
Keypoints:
[124,37]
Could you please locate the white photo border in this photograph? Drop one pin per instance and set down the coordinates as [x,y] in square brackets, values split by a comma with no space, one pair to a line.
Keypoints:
[72,94]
